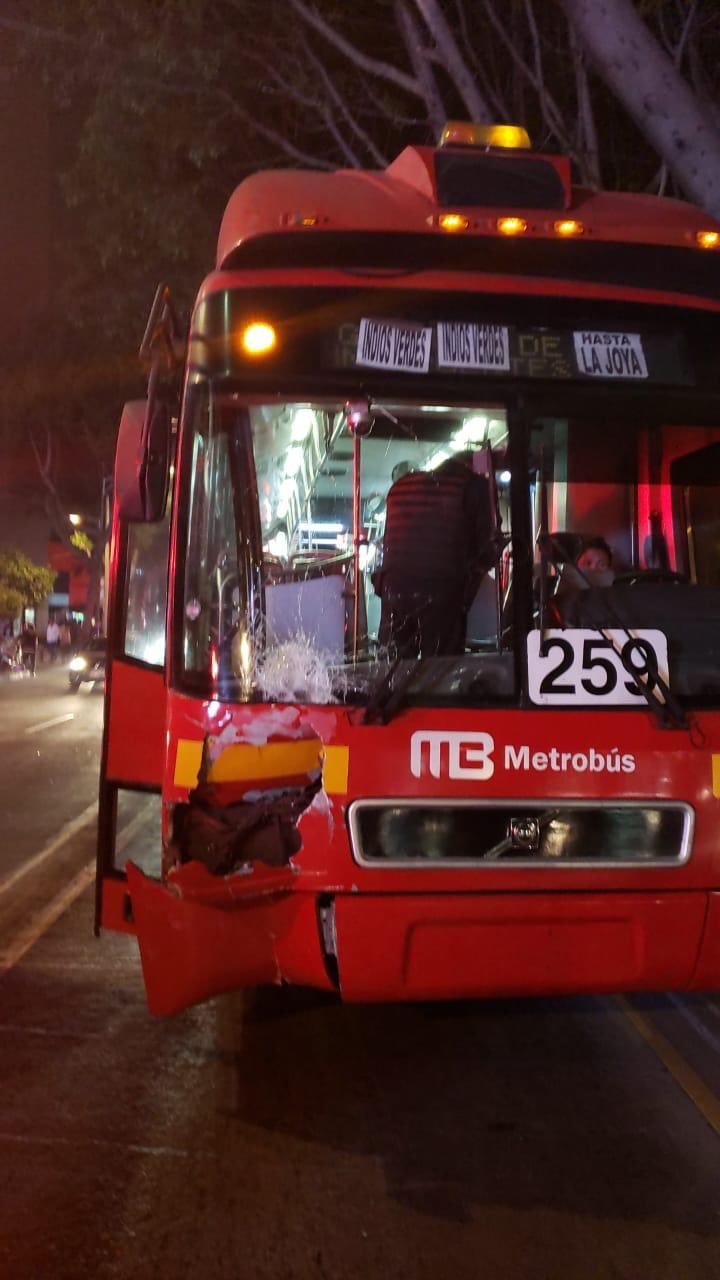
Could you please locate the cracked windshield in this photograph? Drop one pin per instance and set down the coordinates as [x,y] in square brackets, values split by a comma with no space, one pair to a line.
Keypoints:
[382,544]
[362,552]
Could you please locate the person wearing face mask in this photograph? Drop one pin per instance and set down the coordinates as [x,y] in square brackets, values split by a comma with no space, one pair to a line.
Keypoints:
[595,557]
[592,567]
[595,562]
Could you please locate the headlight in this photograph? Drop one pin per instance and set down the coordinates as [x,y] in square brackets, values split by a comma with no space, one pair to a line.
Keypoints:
[78,663]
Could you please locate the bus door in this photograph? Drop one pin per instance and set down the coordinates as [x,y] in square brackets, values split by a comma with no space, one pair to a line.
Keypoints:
[129,820]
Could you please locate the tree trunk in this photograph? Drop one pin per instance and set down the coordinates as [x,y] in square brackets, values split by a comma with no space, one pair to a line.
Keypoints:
[642,76]
[95,590]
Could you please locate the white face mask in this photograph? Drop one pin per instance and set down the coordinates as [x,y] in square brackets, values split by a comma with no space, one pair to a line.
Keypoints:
[575,579]
[597,577]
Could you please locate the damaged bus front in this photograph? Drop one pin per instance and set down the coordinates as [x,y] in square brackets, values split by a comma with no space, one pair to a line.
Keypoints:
[408,744]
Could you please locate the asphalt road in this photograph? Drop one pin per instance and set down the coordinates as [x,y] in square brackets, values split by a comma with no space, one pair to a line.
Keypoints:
[285,1136]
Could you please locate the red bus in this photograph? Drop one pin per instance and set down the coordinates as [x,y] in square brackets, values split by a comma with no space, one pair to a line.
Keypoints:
[414,600]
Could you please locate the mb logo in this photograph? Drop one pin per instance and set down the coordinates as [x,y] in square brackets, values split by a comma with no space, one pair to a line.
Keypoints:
[452,755]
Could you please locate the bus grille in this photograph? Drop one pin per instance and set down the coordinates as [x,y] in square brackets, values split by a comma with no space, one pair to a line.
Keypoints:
[571,833]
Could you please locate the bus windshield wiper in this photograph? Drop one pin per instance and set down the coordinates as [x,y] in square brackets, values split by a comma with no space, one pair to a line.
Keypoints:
[666,709]
[390,695]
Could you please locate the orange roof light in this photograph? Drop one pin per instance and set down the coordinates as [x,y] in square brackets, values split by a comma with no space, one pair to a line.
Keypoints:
[511,226]
[568,227]
[258,338]
[708,239]
[453,222]
[462,133]
[300,219]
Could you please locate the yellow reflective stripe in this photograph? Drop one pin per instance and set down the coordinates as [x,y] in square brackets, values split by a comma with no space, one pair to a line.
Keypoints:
[187,763]
[243,762]
[716,777]
[335,762]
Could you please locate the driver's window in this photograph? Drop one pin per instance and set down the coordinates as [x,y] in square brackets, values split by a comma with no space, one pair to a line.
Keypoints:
[147,591]
[211,578]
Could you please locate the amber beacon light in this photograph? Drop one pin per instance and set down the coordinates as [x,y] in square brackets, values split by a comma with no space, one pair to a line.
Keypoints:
[708,239]
[258,338]
[463,133]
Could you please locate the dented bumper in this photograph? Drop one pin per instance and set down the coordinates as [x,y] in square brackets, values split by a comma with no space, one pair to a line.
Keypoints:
[201,937]
[209,937]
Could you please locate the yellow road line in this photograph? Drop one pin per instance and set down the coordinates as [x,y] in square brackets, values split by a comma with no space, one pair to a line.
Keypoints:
[40,923]
[707,1103]
[64,834]
[20,944]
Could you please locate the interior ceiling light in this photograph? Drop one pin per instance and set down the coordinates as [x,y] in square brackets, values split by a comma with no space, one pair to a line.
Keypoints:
[293,460]
[302,424]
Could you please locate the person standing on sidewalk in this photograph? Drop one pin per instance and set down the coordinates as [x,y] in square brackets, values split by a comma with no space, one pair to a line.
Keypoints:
[29,648]
[52,639]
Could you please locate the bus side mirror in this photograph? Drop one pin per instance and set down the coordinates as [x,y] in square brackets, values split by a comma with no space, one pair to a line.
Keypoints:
[142,460]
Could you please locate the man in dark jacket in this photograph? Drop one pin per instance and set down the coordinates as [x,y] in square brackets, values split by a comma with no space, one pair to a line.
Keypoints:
[437,545]
[29,648]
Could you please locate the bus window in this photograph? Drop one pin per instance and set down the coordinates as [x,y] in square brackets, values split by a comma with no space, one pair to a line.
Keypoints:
[147,591]
[647,504]
[270,605]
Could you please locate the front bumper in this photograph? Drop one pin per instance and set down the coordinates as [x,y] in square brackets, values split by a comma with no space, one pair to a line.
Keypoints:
[202,936]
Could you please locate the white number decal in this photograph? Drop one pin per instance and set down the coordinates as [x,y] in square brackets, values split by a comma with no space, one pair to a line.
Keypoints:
[588,668]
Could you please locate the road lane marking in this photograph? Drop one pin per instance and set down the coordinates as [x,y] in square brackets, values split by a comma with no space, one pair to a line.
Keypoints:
[42,920]
[50,724]
[57,906]
[22,1029]
[31,1140]
[712,1008]
[65,833]
[696,1023]
[683,1074]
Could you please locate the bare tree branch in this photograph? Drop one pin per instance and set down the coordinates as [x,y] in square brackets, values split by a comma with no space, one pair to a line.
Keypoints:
[288,148]
[338,100]
[452,59]
[416,52]
[588,149]
[553,114]
[374,66]
[637,70]
[492,93]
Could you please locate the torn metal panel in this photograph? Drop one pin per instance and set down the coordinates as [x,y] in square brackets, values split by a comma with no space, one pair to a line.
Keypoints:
[193,882]
[194,946]
[246,805]
[224,836]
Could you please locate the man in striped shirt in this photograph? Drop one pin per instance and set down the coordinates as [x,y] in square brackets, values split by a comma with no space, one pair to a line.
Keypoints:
[437,545]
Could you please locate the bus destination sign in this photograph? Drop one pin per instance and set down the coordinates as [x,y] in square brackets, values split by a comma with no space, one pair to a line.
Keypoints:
[476,347]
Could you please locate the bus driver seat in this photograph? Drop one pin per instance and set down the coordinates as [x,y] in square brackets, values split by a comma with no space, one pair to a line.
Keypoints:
[437,544]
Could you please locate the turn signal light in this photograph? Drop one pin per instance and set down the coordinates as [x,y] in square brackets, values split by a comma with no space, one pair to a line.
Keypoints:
[568,227]
[453,222]
[708,239]
[258,338]
[511,226]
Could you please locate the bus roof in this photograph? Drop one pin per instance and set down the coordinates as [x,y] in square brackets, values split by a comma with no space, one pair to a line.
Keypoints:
[423,185]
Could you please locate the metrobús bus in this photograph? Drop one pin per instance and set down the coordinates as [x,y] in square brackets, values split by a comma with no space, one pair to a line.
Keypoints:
[533,808]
